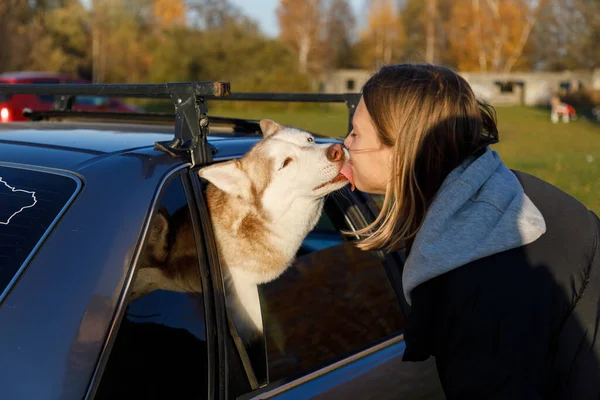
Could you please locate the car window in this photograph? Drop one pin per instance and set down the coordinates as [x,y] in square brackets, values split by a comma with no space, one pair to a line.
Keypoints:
[44,98]
[30,202]
[160,350]
[95,101]
[4,97]
[334,301]
[377,199]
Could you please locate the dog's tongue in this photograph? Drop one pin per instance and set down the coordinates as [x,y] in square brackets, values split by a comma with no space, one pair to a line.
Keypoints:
[347,172]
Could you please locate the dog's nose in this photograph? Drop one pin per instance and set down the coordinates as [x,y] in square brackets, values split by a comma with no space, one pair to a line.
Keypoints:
[335,152]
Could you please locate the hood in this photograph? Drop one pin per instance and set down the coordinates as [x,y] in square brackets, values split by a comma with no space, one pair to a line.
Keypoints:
[480,209]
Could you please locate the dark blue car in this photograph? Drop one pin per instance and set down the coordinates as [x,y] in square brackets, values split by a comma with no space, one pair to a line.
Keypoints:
[76,201]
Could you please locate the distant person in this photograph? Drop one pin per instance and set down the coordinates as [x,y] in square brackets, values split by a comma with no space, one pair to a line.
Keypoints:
[561,110]
[502,275]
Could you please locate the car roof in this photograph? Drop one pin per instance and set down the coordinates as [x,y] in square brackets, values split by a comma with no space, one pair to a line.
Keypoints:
[74,146]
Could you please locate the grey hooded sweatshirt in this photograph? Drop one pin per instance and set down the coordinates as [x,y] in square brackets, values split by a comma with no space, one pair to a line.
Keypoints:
[503,287]
[480,209]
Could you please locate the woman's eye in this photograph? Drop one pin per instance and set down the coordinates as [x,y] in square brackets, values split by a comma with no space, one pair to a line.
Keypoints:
[286,162]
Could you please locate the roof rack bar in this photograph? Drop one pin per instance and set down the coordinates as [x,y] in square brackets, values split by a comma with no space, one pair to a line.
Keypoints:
[239,124]
[289,97]
[191,122]
[158,90]
[350,99]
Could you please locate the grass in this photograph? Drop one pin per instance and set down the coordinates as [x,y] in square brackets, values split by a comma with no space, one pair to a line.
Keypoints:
[566,155]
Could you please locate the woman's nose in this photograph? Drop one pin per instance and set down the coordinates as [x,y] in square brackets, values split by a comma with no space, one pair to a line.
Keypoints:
[335,152]
[347,142]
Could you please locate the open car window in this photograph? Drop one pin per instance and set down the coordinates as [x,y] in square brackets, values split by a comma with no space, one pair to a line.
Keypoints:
[333,302]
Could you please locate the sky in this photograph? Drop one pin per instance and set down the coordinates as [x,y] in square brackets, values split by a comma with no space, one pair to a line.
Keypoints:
[263,11]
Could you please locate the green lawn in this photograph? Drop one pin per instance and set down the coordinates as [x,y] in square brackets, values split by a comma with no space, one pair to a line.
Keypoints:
[566,155]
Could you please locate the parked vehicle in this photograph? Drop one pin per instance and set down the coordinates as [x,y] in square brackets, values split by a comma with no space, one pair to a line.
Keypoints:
[79,191]
[11,106]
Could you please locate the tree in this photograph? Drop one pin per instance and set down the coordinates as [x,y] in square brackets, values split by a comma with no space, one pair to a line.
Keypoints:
[300,27]
[383,39]
[566,35]
[15,15]
[169,12]
[431,31]
[491,34]
[339,27]
[60,39]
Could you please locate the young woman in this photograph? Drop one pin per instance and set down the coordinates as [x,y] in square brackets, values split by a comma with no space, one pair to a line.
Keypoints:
[502,273]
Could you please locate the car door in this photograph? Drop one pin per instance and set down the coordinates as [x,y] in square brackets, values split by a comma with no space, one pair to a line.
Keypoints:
[332,322]
[163,345]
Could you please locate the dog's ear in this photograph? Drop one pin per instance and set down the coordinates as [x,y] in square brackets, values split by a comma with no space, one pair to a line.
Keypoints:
[269,127]
[157,247]
[227,176]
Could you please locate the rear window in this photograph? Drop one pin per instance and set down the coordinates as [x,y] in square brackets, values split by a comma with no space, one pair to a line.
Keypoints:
[30,202]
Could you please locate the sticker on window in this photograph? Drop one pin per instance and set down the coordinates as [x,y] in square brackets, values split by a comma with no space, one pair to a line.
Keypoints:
[30,201]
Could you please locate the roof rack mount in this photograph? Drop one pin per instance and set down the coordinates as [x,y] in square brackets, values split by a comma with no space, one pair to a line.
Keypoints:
[191,120]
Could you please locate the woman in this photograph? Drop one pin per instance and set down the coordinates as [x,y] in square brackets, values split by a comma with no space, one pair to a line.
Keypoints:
[502,273]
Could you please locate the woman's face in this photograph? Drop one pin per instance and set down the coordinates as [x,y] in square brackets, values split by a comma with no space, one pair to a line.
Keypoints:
[369,158]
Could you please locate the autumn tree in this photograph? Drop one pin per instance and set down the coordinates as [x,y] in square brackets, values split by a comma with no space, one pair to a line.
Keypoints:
[566,35]
[15,16]
[491,35]
[59,39]
[431,20]
[120,37]
[382,41]
[339,32]
[168,13]
[300,27]
[423,23]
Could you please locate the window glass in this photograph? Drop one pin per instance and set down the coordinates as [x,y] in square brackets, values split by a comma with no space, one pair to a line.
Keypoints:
[160,350]
[334,301]
[377,199]
[95,101]
[29,203]
[45,98]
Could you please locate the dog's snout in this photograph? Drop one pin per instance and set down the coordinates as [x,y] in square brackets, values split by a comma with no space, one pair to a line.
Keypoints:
[335,152]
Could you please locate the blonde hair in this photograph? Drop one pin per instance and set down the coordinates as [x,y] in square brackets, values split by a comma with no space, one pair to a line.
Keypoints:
[431,118]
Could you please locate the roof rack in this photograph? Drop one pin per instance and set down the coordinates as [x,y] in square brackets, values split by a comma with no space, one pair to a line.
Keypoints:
[189,100]
[191,120]
[350,99]
[238,124]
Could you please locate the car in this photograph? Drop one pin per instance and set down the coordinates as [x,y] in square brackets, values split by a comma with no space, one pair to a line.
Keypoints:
[79,191]
[11,106]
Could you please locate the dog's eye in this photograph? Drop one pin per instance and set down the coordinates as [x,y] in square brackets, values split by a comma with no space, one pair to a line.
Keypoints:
[310,139]
[285,162]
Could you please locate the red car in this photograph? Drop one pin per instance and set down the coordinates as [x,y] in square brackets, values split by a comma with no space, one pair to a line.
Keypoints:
[11,106]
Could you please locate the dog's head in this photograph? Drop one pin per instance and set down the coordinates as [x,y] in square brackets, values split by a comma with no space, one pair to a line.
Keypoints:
[286,164]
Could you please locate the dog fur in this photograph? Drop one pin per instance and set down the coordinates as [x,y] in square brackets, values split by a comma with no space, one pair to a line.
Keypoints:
[262,206]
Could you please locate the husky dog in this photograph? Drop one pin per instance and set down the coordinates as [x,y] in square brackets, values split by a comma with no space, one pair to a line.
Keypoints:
[262,206]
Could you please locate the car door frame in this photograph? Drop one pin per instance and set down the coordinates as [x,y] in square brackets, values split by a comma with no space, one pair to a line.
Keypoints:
[358,208]
[181,172]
